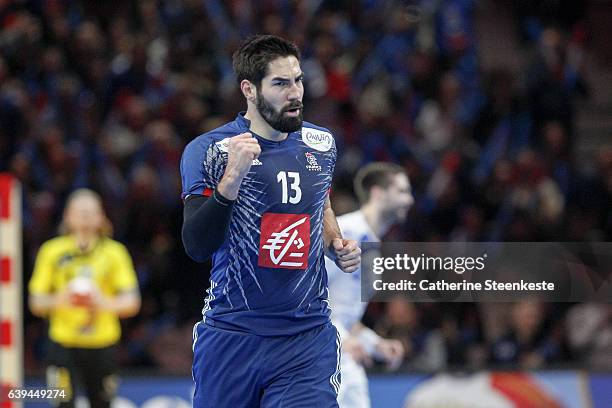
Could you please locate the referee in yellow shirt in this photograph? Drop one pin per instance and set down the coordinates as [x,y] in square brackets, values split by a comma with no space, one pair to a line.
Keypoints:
[83,281]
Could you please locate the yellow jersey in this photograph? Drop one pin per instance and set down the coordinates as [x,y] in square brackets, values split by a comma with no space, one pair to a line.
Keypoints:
[108,265]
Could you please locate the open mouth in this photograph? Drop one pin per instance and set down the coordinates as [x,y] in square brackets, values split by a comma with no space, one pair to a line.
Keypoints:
[293,111]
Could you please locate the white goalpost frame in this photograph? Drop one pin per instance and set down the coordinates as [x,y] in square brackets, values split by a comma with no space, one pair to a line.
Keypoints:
[11,303]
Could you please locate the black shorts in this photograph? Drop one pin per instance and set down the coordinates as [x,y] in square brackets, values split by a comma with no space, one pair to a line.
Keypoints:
[93,369]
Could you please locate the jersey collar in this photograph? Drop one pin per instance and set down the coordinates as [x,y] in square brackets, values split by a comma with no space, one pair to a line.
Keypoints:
[243,122]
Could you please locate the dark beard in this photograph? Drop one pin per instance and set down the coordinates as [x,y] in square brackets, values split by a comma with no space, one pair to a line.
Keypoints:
[278,120]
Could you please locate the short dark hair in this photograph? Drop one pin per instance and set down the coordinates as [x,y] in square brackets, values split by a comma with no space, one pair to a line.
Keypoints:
[251,60]
[377,174]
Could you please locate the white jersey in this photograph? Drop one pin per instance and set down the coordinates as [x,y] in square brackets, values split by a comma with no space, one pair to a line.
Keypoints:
[345,288]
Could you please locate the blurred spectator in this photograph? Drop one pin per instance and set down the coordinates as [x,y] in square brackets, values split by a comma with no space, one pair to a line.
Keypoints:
[424,348]
[589,331]
[437,122]
[526,342]
[553,78]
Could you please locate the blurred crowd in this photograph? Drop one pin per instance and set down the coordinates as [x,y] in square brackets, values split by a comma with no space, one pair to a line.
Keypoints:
[106,95]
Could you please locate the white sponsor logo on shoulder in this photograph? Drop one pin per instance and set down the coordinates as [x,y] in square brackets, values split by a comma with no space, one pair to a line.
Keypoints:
[317,139]
[223,144]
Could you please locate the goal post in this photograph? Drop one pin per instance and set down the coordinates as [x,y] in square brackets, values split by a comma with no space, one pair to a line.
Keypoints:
[11,302]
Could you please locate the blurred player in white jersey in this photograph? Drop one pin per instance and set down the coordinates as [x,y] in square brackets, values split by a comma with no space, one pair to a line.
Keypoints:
[385,196]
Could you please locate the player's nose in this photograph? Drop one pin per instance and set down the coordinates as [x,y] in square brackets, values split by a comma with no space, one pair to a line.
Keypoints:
[295,92]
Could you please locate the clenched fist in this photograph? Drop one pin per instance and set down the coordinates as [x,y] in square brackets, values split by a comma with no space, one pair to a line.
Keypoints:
[348,254]
[242,150]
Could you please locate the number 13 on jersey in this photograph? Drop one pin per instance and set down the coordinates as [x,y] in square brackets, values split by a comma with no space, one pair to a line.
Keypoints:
[294,183]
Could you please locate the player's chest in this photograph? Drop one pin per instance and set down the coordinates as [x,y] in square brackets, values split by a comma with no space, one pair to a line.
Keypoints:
[290,176]
[69,266]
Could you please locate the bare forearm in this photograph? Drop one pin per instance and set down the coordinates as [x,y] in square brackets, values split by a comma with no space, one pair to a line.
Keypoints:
[230,185]
[41,305]
[123,305]
[331,230]
[357,327]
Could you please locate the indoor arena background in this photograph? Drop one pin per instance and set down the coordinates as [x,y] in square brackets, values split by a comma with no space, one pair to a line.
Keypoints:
[500,111]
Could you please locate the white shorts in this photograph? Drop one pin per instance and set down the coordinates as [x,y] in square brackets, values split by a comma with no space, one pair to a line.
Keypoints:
[354,386]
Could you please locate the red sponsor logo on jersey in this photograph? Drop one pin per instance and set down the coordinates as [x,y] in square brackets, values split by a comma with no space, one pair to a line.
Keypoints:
[284,241]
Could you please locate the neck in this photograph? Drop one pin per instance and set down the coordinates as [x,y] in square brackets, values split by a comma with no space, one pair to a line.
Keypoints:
[261,127]
[375,220]
[85,240]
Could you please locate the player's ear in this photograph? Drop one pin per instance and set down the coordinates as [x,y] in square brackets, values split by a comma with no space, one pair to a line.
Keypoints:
[248,90]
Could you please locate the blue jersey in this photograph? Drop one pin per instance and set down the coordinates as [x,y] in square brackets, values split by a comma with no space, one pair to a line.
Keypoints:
[268,277]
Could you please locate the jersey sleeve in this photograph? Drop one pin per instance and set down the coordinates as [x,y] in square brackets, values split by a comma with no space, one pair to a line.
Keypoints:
[41,281]
[202,166]
[124,276]
[194,178]
[334,151]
